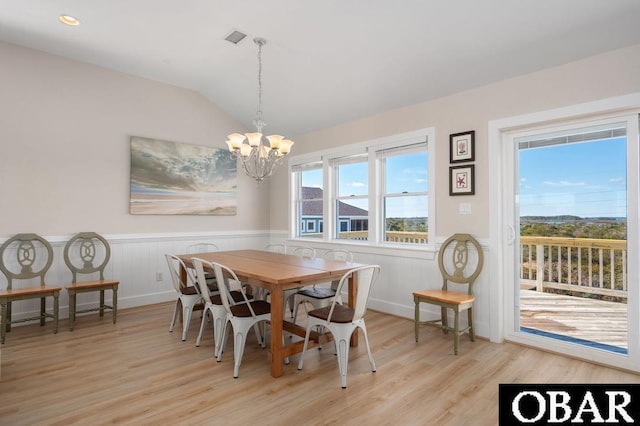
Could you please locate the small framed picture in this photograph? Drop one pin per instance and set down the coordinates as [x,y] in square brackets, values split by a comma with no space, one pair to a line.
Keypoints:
[461,147]
[462,180]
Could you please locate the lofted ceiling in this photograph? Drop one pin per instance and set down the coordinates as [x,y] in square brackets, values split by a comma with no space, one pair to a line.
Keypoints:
[325,62]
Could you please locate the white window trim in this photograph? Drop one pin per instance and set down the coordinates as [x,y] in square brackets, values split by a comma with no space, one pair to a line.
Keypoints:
[370,148]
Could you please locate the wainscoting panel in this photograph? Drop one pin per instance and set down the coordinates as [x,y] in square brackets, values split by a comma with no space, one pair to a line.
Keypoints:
[138,261]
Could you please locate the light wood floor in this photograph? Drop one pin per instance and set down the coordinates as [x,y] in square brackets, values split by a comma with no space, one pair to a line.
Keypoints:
[136,372]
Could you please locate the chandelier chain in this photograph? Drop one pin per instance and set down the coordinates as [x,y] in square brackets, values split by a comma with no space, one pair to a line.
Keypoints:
[259,122]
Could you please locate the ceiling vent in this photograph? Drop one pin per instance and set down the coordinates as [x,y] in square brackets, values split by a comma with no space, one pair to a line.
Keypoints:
[235,37]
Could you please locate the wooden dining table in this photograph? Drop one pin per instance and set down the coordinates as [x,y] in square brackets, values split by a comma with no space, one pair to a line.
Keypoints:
[277,272]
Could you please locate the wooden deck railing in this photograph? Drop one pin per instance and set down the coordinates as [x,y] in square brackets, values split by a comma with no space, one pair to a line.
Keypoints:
[586,265]
[394,236]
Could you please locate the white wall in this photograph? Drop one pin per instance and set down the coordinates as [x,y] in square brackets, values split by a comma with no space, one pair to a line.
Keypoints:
[65,152]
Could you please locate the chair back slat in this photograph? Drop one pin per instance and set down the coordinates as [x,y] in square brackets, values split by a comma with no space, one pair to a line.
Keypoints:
[458,263]
[309,252]
[275,248]
[33,258]
[337,254]
[201,248]
[226,279]
[176,265]
[87,253]
[343,255]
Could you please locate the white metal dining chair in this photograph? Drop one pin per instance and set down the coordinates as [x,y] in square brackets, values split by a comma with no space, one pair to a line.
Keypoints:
[215,307]
[342,320]
[272,248]
[188,294]
[201,248]
[318,295]
[288,294]
[303,251]
[205,248]
[242,317]
[275,248]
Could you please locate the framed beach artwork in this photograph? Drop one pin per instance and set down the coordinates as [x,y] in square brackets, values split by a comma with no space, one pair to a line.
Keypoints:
[171,178]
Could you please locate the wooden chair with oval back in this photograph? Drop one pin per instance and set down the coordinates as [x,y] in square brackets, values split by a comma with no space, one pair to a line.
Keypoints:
[87,254]
[458,267]
[26,257]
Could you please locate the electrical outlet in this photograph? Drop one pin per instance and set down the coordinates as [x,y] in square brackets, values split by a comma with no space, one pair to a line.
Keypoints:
[158,276]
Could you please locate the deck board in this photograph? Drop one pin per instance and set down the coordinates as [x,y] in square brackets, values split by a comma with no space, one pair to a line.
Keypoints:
[576,317]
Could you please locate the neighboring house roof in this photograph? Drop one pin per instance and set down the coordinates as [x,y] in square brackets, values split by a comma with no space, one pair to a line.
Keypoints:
[314,207]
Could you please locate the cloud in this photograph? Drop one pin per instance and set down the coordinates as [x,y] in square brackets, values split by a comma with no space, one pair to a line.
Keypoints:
[617,180]
[563,183]
[358,184]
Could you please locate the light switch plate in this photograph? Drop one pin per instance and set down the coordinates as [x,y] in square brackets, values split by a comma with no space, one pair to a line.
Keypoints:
[465,208]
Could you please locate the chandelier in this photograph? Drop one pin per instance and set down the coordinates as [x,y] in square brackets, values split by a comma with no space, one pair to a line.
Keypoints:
[260,155]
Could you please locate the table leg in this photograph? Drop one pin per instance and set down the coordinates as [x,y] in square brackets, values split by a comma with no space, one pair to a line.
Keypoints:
[353,293]
[277,357]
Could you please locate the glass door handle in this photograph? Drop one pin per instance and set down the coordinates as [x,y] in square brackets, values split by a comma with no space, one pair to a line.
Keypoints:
[511,235]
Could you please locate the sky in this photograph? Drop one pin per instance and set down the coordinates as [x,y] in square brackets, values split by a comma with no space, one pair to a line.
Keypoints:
[585,179]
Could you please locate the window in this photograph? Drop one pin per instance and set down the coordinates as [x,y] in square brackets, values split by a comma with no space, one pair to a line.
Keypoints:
[352,197]
[404,194]
[309,199]
[374,193]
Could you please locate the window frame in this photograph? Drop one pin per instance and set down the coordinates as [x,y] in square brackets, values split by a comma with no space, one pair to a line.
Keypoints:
[330,157]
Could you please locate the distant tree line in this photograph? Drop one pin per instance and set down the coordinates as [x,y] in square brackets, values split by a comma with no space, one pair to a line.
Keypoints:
[407,224]
[574,227]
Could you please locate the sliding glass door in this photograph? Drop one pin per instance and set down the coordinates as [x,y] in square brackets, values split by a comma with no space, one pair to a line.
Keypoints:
[572,212]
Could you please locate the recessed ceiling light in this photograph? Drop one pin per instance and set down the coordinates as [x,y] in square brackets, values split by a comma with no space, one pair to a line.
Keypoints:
[69,20]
